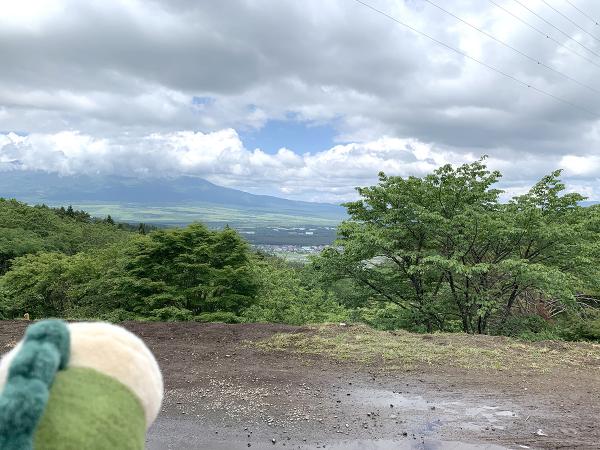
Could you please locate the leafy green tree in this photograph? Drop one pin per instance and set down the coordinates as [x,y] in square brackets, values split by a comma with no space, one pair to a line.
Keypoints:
[28,229]
[169,274]
[192,268]
[48,285]
[283,297]
[444,248]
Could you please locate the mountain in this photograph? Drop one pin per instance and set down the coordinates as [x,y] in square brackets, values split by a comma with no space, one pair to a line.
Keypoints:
[163,200]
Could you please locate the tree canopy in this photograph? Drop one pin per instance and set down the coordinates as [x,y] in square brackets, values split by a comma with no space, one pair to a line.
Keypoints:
[28,229]
[447,249]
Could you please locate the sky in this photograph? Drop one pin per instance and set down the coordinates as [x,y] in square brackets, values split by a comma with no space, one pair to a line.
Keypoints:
[301,99]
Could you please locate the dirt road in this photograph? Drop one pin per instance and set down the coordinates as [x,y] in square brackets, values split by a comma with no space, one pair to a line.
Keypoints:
[225,392]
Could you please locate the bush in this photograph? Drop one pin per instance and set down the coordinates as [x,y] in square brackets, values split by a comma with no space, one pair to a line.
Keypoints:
[519,325]
[118,315]
[569,328]
[582,329]
[385,316]
[284,298]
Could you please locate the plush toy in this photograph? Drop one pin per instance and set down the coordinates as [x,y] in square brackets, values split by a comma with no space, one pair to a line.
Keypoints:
[86,385]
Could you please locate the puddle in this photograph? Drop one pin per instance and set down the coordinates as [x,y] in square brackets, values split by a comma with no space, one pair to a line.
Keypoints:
[384,444]
[428,444]
[428,416]
[435,420]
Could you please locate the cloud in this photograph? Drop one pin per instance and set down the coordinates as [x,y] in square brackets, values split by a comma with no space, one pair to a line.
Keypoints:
[221,157]
[581,165]
[115,86]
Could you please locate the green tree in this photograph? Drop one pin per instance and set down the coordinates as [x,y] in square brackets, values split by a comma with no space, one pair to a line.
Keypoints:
[49,285]
[283,297]
[28,229]
[444,248]
[192,268]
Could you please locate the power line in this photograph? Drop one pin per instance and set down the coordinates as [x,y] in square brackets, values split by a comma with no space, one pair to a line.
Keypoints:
[516,50]
[569,19]
[583,13]
[557,29]
[472,58]
[543,33]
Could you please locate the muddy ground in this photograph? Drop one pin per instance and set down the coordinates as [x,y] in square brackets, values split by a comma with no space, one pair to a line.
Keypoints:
[223,392]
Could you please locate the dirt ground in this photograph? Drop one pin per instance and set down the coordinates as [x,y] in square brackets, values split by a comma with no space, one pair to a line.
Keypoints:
[225,392]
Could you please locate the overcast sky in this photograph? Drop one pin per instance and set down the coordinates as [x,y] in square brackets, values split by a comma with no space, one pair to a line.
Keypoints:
[304,99]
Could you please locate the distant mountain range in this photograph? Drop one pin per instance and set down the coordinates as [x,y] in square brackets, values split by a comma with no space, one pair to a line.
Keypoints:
[169,200]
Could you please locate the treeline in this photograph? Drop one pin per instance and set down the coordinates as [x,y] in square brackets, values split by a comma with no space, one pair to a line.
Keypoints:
[62,263]
[84,216]
[437,253]
[446,254]
[30,230]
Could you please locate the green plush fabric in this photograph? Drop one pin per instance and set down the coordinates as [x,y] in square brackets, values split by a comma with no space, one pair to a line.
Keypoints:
[45,350]
[88,410]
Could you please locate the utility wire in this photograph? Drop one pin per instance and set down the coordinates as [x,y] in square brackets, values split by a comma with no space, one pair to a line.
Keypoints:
[472,58]
[569,19]
[516,50]
[543,33]
[582,12]
[556,28]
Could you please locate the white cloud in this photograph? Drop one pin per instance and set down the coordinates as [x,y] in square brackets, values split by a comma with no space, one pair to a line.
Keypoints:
[221,157]
[125,73]
[580,165]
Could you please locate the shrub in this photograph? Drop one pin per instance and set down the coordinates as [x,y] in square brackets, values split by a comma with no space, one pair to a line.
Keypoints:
[519,325]
[582,329]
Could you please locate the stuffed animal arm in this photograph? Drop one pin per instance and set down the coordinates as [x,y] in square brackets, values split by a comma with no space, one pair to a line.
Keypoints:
[78,386]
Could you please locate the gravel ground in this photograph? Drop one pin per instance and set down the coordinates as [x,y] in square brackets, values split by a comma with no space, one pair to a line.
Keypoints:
[224,392]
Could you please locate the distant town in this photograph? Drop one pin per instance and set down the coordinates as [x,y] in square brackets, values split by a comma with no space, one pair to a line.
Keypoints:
[298,238]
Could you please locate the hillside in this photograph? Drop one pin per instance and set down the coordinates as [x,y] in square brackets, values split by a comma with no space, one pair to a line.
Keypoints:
[178,200]
[27,230]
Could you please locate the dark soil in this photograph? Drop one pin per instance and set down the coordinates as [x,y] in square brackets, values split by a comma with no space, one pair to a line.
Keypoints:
[224,393]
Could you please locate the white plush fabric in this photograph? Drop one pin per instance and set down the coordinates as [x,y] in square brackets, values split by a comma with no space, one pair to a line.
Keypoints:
[5,364]
[113,351]
[116,352]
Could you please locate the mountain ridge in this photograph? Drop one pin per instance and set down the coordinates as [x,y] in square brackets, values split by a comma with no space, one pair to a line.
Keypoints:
[54,189]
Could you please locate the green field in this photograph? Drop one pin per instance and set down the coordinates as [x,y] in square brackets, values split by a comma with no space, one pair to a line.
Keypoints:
[180,214]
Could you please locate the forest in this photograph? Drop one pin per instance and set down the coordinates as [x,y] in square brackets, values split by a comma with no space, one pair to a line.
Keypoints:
[444,252]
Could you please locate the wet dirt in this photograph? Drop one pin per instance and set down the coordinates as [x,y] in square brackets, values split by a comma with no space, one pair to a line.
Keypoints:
[221,392]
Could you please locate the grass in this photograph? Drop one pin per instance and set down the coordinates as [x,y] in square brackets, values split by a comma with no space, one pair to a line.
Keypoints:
[403,350]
